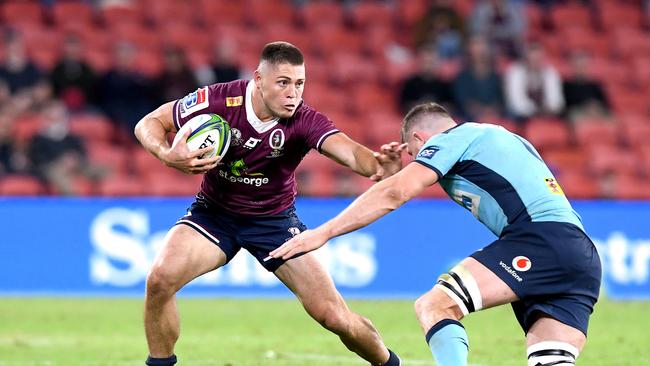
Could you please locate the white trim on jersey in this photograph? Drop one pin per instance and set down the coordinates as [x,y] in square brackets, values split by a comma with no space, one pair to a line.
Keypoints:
[254,121]
[322,138]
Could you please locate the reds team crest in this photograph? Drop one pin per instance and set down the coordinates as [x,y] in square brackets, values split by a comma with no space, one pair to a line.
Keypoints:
[276,141]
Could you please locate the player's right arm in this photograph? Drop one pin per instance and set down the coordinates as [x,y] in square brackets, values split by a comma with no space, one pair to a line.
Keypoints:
[152,132]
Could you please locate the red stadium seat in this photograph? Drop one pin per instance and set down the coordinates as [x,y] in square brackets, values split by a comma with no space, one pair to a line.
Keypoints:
[610,159]
[20,185]
[262,12]
[172,183]
[365,14]
[289,33]
[630,101]
[377,39]
[381,128]
[25,127]
[410,12]
[629,42]
[222,12]
[324,98]
[21,12]
[144,163]
[121,186]
[614,13]
[112,157]
[627,186]
[349,68]
[586,39]
[122,14]
[321,13]
[366,97]
[571,14]
[578,185]
[92,127]
[185,36]
[330,41]
[72,15]
[636,128]
[547,133]
[170,12]
[568,160]
[596,133]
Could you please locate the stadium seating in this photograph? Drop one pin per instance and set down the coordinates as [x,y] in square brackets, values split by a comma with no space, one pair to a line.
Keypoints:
[19,185]
[353,74]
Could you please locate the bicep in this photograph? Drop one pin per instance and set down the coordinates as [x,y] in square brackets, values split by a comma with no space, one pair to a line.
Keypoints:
[415,178]
[164,115]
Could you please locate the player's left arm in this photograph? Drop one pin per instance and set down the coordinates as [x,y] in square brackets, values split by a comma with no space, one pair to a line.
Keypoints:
[379,200]
[362,160]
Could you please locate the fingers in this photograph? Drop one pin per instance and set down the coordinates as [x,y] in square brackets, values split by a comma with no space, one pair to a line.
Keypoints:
[285,251]
[200,152]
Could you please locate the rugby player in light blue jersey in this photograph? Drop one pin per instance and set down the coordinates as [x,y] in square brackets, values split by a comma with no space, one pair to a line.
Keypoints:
[543,262]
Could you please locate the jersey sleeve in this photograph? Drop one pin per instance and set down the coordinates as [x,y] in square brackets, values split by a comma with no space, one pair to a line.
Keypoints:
[320,128]
[208,99]
[441,152]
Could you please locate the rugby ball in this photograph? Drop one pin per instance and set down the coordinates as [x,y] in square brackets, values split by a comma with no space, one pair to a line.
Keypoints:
[206,130]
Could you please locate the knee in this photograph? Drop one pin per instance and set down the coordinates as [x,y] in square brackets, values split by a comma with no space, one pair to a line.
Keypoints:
[436,306]
[333,318]
[160,283]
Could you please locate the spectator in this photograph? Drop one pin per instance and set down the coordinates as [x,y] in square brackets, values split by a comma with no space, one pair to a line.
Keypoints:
[20,74]
[7,148]
[56,155]
[73,80]
[425,86]
[503,23]
[442,28]
[224,66]
[477,89]
[584,95]
[126,94]
[176,79]
[533,87]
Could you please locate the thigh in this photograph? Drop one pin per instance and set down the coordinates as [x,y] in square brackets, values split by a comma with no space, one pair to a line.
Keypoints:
[494,291]
[547,328]
[261,235]
[306,277]
[186,255]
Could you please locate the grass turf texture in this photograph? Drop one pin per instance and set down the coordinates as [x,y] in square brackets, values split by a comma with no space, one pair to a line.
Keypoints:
[239,332]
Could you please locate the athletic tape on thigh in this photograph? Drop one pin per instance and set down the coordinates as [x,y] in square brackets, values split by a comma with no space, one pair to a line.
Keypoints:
[552,353]
[459,284]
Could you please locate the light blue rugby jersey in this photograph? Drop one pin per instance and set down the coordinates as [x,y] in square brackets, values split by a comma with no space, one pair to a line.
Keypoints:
[496,175]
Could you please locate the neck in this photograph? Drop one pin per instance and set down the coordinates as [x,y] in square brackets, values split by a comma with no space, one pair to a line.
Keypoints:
[260,109]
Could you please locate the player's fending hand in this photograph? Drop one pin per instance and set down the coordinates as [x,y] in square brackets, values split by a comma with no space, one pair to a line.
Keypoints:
[304,242]
[190,162]
[389,158]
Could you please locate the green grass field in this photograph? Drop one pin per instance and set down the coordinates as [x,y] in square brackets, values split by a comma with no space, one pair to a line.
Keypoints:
[226,332]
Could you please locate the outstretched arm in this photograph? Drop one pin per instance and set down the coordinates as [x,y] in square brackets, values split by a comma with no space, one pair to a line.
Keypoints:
[362,160]
[379,200]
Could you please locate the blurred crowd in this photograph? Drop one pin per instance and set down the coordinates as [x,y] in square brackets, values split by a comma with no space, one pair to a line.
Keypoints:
[569,75]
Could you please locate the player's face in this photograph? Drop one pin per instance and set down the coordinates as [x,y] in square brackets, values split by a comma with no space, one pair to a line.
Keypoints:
[281,87]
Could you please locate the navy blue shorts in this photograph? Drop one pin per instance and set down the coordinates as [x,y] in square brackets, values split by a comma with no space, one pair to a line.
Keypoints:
[231,232]
[552,267]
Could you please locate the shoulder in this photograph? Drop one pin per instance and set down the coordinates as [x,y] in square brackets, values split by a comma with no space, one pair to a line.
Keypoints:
[225,89]
[308,114]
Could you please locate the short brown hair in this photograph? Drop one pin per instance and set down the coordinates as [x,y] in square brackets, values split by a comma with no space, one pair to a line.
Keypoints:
[282,52]
[419,111]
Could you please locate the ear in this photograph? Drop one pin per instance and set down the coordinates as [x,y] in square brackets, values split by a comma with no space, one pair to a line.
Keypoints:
[257,78]
[418,136]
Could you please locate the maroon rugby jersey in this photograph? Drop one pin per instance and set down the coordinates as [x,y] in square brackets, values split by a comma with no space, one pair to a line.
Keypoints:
[257,175]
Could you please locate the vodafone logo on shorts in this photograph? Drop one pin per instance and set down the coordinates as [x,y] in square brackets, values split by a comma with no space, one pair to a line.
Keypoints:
[521,263]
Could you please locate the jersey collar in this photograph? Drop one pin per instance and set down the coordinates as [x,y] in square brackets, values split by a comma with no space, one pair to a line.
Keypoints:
[252,118]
